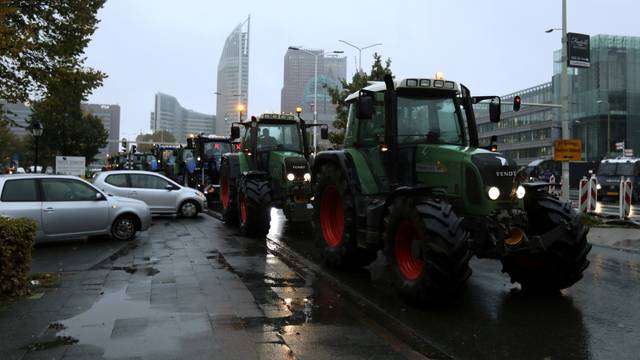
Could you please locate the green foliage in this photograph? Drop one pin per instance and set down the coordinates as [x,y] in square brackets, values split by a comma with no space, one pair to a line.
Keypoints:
[39,37]
[11,144]
[359,81]
[161,136]
[17,237]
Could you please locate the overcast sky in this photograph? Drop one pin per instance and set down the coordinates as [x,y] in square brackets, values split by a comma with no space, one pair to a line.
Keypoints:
[493,47]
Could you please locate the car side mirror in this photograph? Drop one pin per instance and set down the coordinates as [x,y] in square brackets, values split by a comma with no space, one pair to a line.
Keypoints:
[364,106]
[169,187]
[324,132]
[235,132]
[494,110]
[99,196]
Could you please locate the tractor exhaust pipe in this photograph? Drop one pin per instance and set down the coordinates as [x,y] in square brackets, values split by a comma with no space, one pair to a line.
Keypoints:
[388,82]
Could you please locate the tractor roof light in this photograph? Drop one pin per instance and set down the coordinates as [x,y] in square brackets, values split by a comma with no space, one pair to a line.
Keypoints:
[439,75]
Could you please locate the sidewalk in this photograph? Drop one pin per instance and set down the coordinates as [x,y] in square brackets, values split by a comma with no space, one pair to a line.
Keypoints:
[190,289]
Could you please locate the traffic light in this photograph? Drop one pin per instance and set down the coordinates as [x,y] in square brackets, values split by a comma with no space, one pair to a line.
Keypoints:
[124,144]
[517,101]
[133,149]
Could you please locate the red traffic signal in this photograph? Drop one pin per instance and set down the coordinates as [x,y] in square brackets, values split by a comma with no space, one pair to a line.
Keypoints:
[517,101]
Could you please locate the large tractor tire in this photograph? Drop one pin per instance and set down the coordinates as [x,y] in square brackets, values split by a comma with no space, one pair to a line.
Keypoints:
[427,248]
[254,206]
[558,264]
[228,196]
[334,216]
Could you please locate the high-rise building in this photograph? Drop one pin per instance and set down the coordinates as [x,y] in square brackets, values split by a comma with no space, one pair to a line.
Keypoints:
[299,83]
[170,116]
[233,77]
[604,106]
[110,116]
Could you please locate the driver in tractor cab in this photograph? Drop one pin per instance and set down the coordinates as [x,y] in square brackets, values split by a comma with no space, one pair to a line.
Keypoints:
[266,140]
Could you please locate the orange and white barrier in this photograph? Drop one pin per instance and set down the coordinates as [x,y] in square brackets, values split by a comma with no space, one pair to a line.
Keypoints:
[583,192]
[626,191]
[552,181]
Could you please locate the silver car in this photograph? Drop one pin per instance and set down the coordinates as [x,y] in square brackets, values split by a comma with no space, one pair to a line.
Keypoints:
[161,194]
[68,207]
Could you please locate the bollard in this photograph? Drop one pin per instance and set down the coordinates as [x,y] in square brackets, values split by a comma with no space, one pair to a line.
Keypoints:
[593,194]
[552,182]
[626,189]
[583,194]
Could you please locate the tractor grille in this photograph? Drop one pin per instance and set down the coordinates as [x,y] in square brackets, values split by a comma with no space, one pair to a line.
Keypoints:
[296,165]
[496,170]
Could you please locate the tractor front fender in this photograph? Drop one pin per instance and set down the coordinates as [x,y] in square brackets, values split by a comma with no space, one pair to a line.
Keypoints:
[343,161]
[234,165]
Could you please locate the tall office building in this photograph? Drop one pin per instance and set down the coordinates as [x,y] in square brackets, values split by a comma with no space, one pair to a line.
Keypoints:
[299,83]
[170,116]
[110,116]
[233,77]
[604,106]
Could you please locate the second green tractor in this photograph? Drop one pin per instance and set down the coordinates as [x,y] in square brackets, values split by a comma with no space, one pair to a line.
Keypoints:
[271,169]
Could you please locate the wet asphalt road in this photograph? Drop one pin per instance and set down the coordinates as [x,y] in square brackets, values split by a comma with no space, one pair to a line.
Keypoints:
[598,318]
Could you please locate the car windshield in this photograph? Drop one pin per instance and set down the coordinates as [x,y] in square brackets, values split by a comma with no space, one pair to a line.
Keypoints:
[625,169]
[216,149]
[428,121]
[607,169]
[279,137]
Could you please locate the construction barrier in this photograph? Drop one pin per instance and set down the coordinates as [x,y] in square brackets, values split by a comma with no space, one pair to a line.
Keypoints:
[552,187]
[593,193]
[626,191]
[583,191]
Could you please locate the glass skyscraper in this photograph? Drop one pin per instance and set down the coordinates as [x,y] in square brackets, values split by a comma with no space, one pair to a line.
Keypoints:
[170,116]
[233,78]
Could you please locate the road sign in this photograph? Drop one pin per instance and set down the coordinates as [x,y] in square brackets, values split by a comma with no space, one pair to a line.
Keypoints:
[567,150]
[70,165]
[628,152]
[620,145]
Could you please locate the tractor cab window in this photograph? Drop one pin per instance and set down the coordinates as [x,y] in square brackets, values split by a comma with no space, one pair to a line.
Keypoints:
[626,169]
[429,121]
[214,150]
[279,137]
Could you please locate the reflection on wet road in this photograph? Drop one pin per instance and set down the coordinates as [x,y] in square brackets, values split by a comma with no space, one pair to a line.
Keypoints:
[598,318]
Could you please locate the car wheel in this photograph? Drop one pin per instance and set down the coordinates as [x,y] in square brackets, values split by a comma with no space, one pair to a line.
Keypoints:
[188,209]
[124,228]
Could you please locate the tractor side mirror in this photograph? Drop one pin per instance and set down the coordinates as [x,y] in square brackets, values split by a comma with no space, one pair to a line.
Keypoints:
[494,109]
[235,132]
[324,132]
[364,106]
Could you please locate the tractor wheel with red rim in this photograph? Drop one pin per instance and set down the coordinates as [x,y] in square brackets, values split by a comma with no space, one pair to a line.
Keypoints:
[427,248]
[228,195]
[334,216]
[254,206]
[563,259]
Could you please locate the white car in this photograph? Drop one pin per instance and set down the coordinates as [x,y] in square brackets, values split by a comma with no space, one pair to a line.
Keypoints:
[66,207]
[159,192]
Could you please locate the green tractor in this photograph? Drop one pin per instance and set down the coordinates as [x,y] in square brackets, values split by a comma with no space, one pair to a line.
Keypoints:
[413,184]
[271,169]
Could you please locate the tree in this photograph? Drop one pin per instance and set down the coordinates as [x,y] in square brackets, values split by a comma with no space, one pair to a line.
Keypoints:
[11,144]
[39,37]
[161,136]
[358,81]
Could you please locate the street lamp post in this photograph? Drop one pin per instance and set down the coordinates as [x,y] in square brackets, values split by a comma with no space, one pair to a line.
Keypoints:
[608,123]
[564,98]
[315,88]
[360,51]
[36,131]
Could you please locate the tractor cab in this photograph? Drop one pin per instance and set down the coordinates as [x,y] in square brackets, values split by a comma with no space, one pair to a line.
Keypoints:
[207,151]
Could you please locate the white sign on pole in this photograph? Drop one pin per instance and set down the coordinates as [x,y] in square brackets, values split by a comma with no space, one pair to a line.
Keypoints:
[620,145]
[70,165]
[628,152]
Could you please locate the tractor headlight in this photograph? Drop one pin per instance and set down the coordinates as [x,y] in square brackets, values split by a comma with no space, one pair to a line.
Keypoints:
[520,191]
[291,177]
[598,187]
[307,177]
[494,193]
